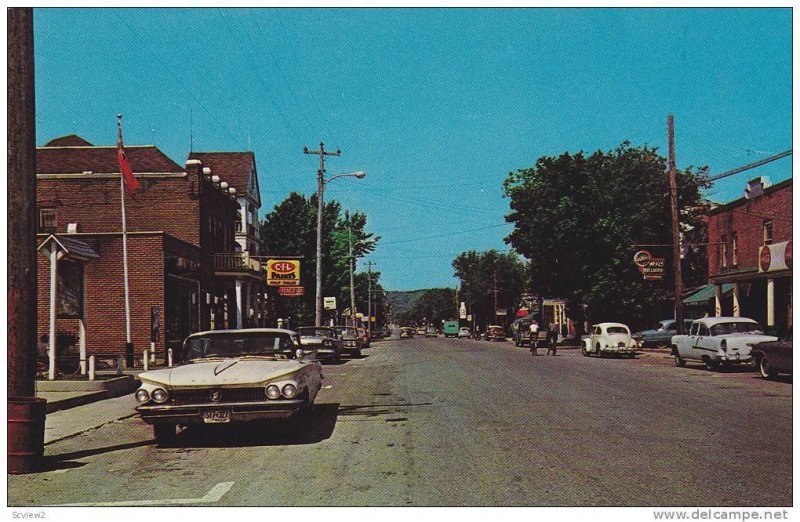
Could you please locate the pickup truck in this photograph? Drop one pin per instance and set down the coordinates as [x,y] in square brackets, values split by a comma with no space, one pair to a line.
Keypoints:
[718,342]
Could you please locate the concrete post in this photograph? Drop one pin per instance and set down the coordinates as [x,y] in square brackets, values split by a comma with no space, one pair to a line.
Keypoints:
[169,357]
[82,343]
[91,368]
[145,360]
[51,374]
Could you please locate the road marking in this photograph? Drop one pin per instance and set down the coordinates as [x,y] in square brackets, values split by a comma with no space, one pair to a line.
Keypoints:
[214,495]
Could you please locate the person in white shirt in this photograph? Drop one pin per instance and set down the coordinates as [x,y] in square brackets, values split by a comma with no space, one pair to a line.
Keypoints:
[534,328]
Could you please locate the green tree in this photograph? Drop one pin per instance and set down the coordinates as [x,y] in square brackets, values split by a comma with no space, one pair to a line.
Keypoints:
[578,220]
[482,273]
[431,307]
[290,230]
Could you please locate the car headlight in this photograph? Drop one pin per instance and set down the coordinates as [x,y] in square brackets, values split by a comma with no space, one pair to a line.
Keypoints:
[142,396]
[290,391]
[273,392]
[160,395]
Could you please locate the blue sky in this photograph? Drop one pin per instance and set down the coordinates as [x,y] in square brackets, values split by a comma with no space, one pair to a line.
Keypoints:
[436,105]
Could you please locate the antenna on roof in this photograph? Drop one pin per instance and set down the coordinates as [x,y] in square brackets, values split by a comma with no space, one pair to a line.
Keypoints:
[191,129]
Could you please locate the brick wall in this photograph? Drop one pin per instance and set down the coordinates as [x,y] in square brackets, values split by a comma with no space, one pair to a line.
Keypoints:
[104,295]
[746,218]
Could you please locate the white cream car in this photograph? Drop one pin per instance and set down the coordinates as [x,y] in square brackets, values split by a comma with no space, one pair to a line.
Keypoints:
[718,342]
[610,339]
[230,376]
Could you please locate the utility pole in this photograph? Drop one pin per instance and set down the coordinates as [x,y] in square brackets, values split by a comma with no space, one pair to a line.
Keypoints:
[369,298]
[352,284]
[26,412]
[320,192]
[676,247]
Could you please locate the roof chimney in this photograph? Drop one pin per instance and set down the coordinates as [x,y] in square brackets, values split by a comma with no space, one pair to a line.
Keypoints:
[755,187]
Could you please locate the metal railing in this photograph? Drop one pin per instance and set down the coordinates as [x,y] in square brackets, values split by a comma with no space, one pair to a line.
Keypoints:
[236,262]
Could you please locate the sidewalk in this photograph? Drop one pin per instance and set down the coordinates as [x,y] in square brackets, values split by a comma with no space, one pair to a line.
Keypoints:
[74,421]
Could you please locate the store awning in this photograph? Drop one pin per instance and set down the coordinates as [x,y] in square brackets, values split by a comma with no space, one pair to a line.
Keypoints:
[707,292]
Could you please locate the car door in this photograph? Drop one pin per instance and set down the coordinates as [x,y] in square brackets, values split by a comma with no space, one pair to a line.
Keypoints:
[686,344]
[703,343]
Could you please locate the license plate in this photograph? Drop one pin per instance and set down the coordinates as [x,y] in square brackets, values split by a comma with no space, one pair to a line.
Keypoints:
[216,416]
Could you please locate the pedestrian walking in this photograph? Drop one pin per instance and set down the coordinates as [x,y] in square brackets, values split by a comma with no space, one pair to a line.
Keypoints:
[552,338]
[534,334]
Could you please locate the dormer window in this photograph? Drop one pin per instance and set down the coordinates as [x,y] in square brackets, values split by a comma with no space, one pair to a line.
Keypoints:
[47,220]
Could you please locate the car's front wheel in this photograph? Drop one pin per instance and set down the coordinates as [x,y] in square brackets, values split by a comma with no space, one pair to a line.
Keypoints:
[598,351]
[164,433]
[766,369]
[712,365]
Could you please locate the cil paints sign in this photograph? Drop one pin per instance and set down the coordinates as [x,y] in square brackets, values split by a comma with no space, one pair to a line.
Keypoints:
[283,272]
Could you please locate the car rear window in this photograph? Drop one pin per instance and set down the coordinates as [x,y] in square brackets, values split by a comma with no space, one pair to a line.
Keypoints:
[616,330]
[736,327]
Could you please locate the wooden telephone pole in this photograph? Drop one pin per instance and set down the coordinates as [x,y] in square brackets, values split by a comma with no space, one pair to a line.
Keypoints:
[676,233]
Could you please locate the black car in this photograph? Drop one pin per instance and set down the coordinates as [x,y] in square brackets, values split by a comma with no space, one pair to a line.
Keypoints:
[324,340]
[351,341]
[773,357]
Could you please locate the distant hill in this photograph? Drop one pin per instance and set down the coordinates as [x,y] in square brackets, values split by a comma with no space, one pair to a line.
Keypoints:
[401,302]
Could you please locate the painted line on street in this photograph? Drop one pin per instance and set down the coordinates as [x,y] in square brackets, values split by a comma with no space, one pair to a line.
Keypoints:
[214,495]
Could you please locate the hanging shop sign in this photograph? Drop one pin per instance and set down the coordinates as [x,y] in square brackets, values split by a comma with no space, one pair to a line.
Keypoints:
[329,303]
[291,291]
[774,257]
[283,272]
[652,268]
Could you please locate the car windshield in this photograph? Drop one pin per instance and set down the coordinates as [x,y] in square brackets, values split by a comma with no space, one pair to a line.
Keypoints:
[275,344]
[735,327]
[667,325]
[312,331]
[616,330]
[347,332]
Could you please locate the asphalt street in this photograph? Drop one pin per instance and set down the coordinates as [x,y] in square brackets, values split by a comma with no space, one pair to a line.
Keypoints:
[457,422]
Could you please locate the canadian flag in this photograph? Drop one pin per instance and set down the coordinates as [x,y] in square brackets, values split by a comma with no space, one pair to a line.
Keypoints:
[131,183]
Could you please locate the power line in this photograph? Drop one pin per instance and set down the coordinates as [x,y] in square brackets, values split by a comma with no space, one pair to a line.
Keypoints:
[751,165]
[442,235]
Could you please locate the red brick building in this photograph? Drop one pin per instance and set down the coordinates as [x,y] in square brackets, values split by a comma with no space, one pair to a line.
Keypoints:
[183,259]
[750,253]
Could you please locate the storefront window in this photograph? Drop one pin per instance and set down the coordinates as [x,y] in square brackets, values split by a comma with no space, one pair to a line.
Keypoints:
[768,232]
[724,252]
[734,250]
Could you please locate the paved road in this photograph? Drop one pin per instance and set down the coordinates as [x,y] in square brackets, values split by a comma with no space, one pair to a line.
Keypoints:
[456,422]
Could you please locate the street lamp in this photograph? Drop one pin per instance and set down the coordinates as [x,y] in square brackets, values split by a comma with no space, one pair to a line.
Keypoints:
[321,181]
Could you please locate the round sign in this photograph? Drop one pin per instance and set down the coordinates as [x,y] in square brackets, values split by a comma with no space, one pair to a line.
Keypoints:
[765,258]
[283,267]
[642,258]
[787,256]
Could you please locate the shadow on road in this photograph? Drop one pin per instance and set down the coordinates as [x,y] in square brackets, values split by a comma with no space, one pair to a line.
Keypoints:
[373,410]
[314,428]
[65,460]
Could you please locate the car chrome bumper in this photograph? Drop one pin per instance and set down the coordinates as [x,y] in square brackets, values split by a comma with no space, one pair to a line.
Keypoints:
[240,411]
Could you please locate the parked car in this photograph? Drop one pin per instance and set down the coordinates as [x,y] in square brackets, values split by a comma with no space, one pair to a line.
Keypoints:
[229,376]
[463,332]
[610,339]
[718,341]
[322,339]
[351,341]
[773,357]
[406,332]
[450,328]
[431,332]
[495,333]
[662,335]
[420,330]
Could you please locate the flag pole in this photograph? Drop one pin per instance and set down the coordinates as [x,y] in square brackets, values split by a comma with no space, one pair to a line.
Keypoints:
[128,343]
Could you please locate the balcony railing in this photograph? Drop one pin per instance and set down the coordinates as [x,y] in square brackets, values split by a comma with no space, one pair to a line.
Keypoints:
[236,262]
[249,229]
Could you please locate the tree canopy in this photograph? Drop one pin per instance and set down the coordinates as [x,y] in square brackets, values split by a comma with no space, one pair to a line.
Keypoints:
[291,228]
[482,273]
[579,220]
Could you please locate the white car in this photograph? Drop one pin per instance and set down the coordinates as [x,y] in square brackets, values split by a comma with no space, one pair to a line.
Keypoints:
[463,331]
[718,341]
[610,339]
[229,376]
